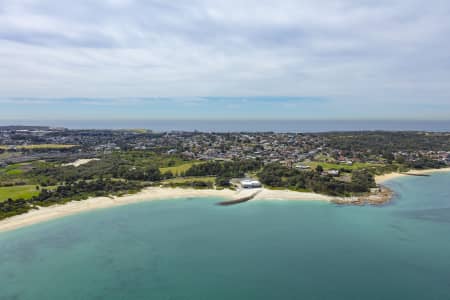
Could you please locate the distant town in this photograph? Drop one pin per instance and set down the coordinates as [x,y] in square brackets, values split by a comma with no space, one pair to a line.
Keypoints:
[23,143]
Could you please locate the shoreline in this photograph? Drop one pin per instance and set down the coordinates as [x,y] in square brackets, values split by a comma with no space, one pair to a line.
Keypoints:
[57,211]
[380,179]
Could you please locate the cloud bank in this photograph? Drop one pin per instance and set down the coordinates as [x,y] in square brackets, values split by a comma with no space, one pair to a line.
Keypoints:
[372,58]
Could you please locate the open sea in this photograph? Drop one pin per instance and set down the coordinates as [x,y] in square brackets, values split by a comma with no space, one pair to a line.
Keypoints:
[193,249]
[245,125]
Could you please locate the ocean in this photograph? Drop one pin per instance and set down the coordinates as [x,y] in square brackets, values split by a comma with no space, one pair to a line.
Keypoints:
[245,125]
[193,249]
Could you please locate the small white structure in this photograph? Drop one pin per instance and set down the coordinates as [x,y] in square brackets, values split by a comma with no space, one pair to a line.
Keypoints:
[250,184]
[303,167]
[375,190]
[333,172]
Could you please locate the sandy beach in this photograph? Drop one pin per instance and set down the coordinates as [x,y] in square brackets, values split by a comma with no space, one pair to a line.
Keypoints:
[80,162]
[382,178]
[267,194]
[154,193]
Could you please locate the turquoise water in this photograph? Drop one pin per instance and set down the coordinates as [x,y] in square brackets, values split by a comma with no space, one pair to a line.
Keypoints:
[192,249]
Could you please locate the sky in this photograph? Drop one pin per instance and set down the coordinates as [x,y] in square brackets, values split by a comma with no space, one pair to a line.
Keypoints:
[233,59]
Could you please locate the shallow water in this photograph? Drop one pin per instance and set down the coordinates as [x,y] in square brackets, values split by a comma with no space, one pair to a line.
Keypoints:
[192,249]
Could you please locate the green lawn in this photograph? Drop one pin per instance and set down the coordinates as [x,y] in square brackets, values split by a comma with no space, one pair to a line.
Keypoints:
[15,169]
[16,192]
[14,172]
[178,170]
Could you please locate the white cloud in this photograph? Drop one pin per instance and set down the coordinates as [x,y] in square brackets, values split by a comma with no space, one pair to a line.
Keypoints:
[350,51]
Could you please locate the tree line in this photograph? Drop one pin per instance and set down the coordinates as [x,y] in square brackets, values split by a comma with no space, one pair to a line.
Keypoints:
[74,191]
[225,170]
[277,175]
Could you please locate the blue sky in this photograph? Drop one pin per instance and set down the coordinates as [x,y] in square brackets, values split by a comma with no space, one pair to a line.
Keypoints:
[109,59]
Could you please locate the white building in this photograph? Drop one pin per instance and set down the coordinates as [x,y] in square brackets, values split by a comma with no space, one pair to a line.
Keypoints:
[303,167]
[250,184]
[333,172]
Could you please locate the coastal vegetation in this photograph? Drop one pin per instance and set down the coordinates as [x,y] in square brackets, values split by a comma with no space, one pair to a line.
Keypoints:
[279,176]
[68,192]
[195,183]
[37,164]
[178,169]
[224,171]
[425,163]
[337,166]
[180,181]
[387,142]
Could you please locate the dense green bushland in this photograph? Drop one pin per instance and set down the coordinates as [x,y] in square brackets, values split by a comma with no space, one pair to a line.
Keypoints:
[74,191]
[277,175]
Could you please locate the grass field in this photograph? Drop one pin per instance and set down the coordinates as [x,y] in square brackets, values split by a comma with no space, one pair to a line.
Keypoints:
[14,172]
[15,169]
[16,192]
[178,170]
[355,166]
[21,191]
[40,146]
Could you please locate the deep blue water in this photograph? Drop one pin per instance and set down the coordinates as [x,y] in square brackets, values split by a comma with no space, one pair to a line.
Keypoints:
[192,249]
[249,125]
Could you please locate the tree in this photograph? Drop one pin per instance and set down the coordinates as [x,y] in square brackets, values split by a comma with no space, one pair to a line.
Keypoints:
[400,159]
[319,169]
[223,181]
[168,174]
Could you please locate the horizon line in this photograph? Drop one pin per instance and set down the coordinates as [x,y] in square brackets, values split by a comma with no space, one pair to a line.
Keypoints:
[4,120]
